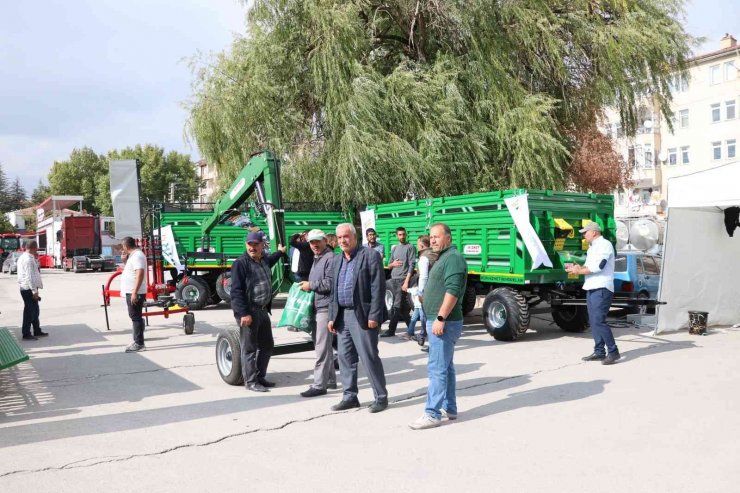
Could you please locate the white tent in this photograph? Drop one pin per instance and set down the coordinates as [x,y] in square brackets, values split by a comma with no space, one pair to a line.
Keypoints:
[701,262]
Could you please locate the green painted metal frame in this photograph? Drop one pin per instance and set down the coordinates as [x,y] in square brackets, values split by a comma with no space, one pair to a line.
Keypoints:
[481,222]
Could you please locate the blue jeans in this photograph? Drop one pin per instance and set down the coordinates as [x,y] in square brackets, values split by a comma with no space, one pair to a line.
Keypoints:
[441,369]
[417,316]
[598,302]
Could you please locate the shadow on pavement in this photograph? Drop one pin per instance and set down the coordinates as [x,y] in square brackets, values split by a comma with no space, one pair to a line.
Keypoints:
[542,396]
[132,420]
[48,386]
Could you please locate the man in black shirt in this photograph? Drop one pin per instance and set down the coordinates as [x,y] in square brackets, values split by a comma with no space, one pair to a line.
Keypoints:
[305,261]
[251,300]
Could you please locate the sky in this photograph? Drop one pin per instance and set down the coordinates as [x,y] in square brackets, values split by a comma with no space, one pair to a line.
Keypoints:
[110,74]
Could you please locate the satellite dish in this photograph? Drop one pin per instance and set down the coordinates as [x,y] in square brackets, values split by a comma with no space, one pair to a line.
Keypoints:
[644,234]
[648,124]
[623,235]
[663,157]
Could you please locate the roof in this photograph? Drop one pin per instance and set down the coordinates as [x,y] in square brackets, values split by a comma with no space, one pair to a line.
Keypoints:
[58,202]
[714,54]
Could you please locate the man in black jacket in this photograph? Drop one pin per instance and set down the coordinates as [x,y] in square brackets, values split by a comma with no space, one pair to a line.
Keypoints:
[251,300]
[356,312]
[299,241]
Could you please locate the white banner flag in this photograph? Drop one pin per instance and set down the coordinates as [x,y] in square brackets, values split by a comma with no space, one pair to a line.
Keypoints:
[367,219]
[519,210]
[169,248]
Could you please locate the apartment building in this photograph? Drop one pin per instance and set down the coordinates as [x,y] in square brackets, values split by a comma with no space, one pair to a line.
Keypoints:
[208,177]
[706,128]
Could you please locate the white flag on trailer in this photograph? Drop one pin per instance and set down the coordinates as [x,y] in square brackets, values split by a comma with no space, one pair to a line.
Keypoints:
[519,209]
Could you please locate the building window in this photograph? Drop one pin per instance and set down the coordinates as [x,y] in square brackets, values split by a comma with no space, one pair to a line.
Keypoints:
[715,113]
[672,156]
[715,74]
[685,155]
[716,151]
[730,149]
[648,156]
[683,118]
[730,71]
[730,110]
[618,130]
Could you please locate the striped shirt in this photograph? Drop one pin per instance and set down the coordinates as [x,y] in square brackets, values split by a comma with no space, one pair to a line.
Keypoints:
[29,275]
[345,284]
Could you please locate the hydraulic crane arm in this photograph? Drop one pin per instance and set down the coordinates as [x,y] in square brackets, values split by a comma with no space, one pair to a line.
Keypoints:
[261,174]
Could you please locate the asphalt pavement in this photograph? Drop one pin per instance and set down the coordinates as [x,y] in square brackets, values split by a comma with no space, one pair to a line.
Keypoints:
[82,415]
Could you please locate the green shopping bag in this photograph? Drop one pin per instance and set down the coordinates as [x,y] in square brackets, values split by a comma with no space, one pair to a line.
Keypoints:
[298,311]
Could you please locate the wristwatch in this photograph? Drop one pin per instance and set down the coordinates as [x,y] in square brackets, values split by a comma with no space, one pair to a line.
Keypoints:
[440,318]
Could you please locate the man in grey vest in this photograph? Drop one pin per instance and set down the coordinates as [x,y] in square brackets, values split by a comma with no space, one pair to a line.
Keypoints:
[320,281]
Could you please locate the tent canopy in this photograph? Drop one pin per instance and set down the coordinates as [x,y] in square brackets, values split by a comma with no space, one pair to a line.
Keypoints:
[701,262]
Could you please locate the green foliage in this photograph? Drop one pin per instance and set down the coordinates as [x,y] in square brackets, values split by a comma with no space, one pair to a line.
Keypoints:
[369,100]
[86,173]
[4,197]
[80,175]
[5,226]
[40,193]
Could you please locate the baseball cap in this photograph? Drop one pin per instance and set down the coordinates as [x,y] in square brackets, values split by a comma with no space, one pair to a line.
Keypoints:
[592,226]
[255,237]
[316,234]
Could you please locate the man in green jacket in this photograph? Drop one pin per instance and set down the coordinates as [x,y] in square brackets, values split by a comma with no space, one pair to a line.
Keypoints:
[442,304]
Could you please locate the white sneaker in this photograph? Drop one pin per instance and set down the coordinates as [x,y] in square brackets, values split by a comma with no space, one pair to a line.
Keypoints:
[425,422]
[135,348]
[448,415]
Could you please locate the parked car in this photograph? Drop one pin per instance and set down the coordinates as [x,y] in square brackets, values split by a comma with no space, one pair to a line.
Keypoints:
[637,274]
[11,263]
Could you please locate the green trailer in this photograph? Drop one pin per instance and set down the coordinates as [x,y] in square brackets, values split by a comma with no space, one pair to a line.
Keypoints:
[499,251]
[207,259]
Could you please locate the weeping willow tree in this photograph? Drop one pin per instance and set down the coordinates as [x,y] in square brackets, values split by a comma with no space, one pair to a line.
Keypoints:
[370,101]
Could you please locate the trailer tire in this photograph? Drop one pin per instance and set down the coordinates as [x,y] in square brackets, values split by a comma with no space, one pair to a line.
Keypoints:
[469,299]
[188,323]
[570,318]
[223,286]
[228,357]
[506,314]
[194,291]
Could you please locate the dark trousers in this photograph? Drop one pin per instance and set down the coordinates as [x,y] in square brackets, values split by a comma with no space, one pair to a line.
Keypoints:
[134,313]
[30,313]
[256,347]
[598,302]
[401,308]
[357,344]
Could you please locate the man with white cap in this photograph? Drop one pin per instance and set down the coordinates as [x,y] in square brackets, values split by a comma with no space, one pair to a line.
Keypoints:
[599,287]
[319,281]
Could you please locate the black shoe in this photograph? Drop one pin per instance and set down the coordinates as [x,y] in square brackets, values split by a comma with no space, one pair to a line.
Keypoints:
[30,338]
[421,338]
[257,387]
[611,358]
[266,383]
[388,333]
[378,406]
[331,386]
[41,334]
[425,349]
[344,405]
[336,363]
[313,392]
[594,357]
